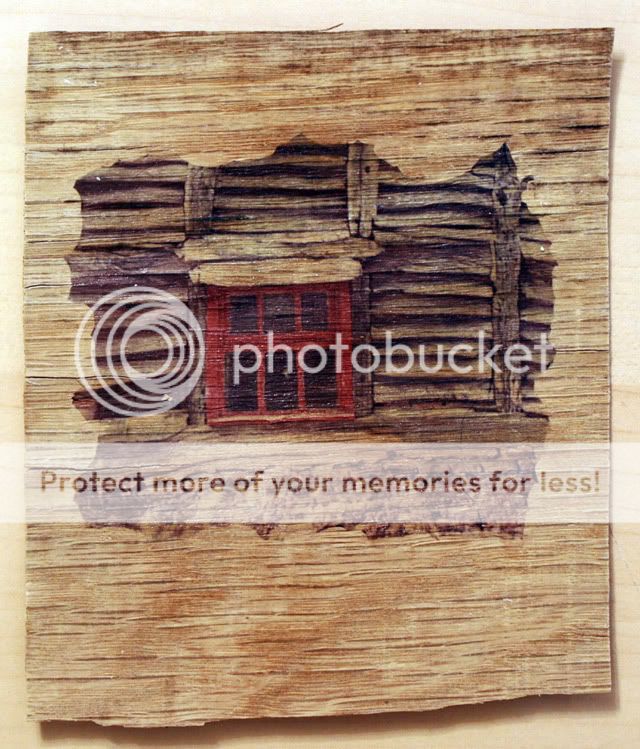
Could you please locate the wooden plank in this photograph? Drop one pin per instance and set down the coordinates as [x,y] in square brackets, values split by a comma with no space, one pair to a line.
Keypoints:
[222,622]
[275,245]
[276,272]
[362,188]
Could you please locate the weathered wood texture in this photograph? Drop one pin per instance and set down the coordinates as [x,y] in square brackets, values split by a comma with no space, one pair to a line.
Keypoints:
[424,236]
[130,627]
[191,629]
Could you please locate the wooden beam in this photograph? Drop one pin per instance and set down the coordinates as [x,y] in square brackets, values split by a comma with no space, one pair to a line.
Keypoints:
[507,204]
[196,403]
[198,199]
[276,272]
[231,247]
[362,188]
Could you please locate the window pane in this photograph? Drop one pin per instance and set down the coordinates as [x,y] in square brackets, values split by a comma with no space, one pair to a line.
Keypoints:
[243,314]
[244,395]
[280,385]
[321,388]
[315,311]
[279,313]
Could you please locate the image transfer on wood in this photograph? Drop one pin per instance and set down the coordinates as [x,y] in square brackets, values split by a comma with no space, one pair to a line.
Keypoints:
[319,239]
[248,254]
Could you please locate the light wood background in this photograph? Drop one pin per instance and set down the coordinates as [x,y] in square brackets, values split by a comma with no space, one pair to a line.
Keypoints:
[596,721]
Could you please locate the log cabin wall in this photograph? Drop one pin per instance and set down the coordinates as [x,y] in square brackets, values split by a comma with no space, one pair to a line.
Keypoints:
[433,263]
[433,283]
[459,260]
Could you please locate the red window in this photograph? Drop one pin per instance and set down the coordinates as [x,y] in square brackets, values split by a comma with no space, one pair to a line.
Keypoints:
[280,388]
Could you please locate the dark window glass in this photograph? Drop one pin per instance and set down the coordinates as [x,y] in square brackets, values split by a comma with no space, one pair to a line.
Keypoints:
[315,311]
[280,385]
[243,314]
[279,313]
[244,395]
[321,388]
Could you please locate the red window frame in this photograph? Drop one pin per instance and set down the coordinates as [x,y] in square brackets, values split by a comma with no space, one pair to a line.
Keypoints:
[220,341]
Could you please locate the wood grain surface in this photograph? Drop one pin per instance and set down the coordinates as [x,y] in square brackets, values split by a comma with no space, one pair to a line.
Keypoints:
[130,628]
[596,721]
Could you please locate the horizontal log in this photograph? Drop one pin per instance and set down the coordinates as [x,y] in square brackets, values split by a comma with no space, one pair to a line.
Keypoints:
[475,258]
[445,374]
[148,227]
[398,302]
[161,237]
[269,166]
[385,392]
[437,219]
[133,220]
[469,182]
[437,213]
[88,289]
[389,319]
[276,272]
[298,182]
[273,246]
[425,197]
[124,262]
[263,201]
[461,330]
[386,234]
[536,295]
[431,284]
[537,313]
[256,224]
